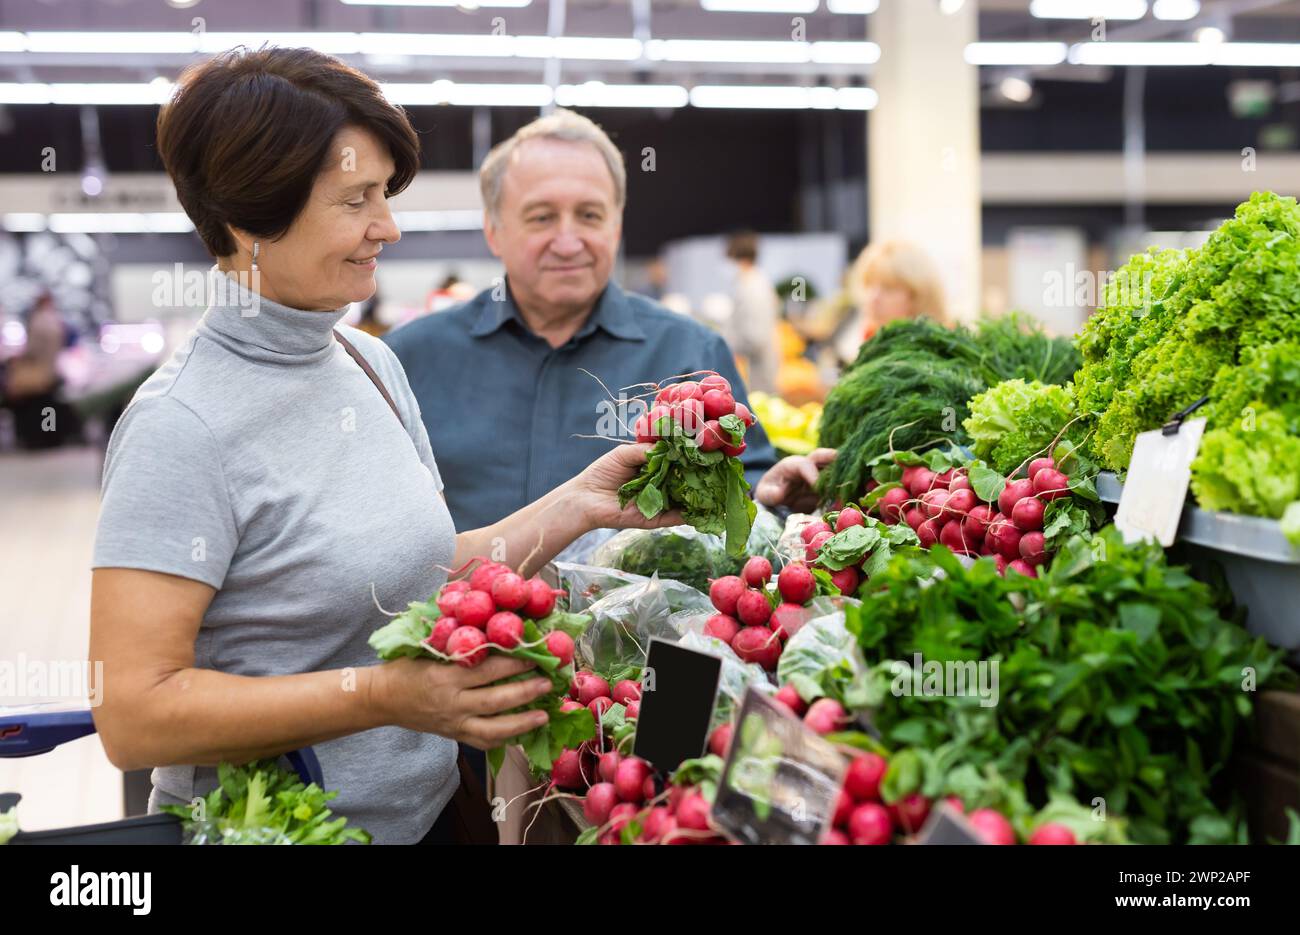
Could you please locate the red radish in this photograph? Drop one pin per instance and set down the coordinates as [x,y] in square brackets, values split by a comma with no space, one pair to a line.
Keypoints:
[667,395]
[713,436]
[510,591]
[1039,464]
[959,482]
[566,771]
[466,644]
[991,826]
[630,777]
[1032,550]
[600,799]
[922,481]
[722,627]
[693,813]
[654,824]
[1013,493]
[909,474]
[1051,833]
[914,518]
[807,533]
[633,709]
[844,806]
[481,579]
[743,413]
[956,804]
[541,600]
[453,586]
[961,501]
[912,811]
[733,451]
[976,523]
[928,533]
[825,715]
[834,836]
[1005,539]
[757,572]
[619,816]
[1051,484]
[944,478]
[846,579]
[506,630]
[691,416]
[443,629]
[796,583]
[862,780]
[952,536]
[448,601]
[718,403]
[715,382]
[569,705]
[813,547]
[849,517]
[608,765]
[934,502]
[560,645]
[1001,561]
[720,740]
[758,644]
[475,609]
[587,686]
[642,430]
[687,389]
[625,691]
[870,824]
[725,592]
[1021,567]
[753,609]
[598,706]
[1028,514]
[891,505]
[788,696]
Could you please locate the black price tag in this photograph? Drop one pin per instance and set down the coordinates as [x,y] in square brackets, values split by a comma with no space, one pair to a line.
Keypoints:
[946,825]
[678,690]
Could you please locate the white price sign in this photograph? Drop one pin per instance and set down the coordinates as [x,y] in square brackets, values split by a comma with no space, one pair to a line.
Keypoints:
[1155,488]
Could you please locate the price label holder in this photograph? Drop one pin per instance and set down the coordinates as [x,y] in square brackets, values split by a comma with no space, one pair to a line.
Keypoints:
[946,825]
[1155,488]
[781,780]
[678,690]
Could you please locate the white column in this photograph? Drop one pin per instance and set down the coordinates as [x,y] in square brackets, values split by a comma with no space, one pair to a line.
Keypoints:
[923,181]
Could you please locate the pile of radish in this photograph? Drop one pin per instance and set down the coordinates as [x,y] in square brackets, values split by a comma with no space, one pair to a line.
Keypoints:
[750,618]
[694,409]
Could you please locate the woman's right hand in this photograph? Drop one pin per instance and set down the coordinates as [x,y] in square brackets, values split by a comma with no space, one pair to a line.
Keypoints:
[459,703]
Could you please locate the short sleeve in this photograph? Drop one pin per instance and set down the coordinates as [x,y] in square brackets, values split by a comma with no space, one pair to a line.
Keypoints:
[165,505]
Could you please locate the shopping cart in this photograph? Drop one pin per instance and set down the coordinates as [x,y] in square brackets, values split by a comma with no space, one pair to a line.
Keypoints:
[33,731]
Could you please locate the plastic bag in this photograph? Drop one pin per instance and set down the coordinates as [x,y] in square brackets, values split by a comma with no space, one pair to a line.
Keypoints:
[587,584]
[736,676]
[679,553]
[765,541]
[580,550]
[821,651]
[623,623]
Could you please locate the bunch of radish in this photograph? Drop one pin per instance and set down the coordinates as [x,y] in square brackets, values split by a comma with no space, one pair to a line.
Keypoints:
[695,408]
[942,508]
[488,611]
[594,693]
[817,533]
[750,618]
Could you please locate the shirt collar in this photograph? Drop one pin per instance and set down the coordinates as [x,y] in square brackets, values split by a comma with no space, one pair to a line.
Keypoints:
[613,314]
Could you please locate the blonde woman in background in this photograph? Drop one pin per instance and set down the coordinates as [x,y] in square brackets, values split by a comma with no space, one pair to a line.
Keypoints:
[891,280]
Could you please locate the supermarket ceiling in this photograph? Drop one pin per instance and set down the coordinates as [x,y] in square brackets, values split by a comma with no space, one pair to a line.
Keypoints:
[647,53]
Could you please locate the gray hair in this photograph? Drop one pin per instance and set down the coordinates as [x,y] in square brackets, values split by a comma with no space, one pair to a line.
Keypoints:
[562,125]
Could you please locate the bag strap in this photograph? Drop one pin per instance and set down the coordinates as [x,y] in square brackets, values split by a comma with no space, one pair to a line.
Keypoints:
[370,372]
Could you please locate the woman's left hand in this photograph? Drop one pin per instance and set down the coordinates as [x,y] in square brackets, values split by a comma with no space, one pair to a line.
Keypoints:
[595,492]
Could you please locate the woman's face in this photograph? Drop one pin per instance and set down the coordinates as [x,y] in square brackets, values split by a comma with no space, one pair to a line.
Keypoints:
[327,258]
[886,302]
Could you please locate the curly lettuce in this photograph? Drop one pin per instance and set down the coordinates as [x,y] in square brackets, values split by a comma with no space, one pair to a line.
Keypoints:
[1014,421]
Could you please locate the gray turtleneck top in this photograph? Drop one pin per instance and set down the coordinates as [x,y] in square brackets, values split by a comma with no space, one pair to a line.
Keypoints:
[262,461]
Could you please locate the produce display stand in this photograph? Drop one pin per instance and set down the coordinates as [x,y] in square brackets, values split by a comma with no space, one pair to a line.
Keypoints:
[560,821]
[1267,773]
[1261,566]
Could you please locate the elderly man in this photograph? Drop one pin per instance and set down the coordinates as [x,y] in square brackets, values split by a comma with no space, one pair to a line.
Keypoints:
[531,347]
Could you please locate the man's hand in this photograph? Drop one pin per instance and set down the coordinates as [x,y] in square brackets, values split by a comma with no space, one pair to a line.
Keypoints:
[595,492]
[791,481]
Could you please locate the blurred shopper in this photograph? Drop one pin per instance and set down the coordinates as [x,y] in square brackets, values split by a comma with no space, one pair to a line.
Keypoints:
[755,310]
[31,382]
[553,197]
[891,280]
[242,532]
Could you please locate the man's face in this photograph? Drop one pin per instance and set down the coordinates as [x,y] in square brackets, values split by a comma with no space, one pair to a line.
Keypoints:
[558,225]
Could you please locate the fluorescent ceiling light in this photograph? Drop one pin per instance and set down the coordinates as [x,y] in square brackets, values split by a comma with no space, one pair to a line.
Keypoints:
[1141,53]
[1088,9]
[331,43]
[1015,53]
[24,223]
[599,94]
[856,98]
[468,4]
[761,51]
[103,93]
[845,53]
[388,43]
[853,7]
[1260,54]
[471,95]
[782,97]
[760,6]
[464,220]
[13,42]
[1016,89]
[951,7]
[124,222]
[128,43]
[591,48]
[1176,9]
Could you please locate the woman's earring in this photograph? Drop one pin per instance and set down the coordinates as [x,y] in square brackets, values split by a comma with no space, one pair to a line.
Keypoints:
[257,246]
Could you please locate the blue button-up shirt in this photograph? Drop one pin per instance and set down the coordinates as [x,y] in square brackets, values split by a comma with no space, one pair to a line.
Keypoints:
[509,416]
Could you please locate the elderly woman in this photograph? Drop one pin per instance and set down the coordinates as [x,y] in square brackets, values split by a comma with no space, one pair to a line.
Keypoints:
[242,531]
[891,280]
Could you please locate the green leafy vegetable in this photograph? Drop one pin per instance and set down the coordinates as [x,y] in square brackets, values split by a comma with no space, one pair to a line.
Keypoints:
[1016,421]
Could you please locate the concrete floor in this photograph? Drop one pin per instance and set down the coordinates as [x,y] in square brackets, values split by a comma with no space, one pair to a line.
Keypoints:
[48,506]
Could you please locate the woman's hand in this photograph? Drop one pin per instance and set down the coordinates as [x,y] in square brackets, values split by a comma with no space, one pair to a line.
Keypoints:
[459,703]
[792,481]
[595,492]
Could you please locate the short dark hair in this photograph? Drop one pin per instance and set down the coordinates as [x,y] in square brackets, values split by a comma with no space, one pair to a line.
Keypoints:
[743,245]
[247,132]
